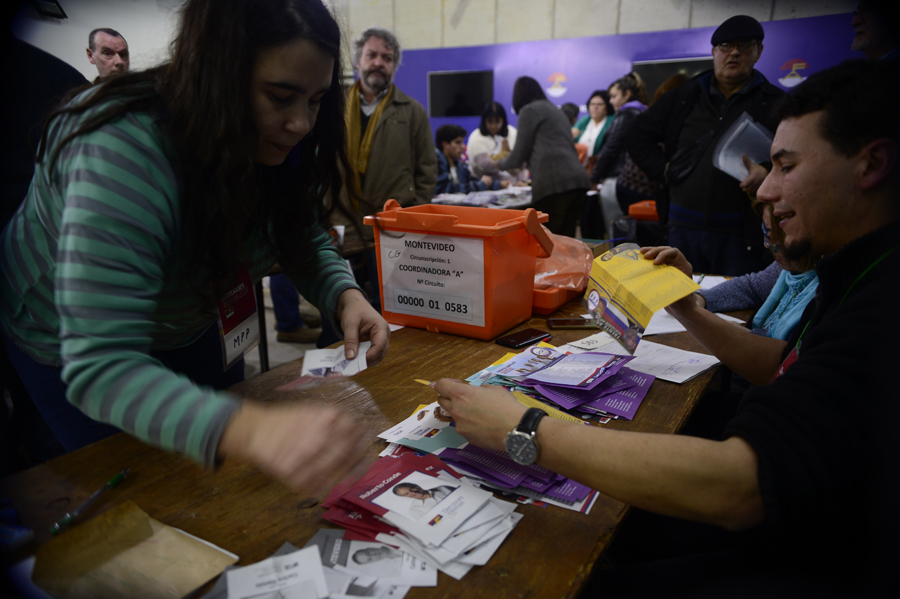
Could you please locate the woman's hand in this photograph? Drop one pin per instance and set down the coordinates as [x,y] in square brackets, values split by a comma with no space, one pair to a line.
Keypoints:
[361,322]
[309,448]
[486,179]
[668,255]
[673,257]
[483,415]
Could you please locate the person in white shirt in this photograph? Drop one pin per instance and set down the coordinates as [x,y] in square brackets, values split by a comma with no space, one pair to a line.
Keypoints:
[494,136]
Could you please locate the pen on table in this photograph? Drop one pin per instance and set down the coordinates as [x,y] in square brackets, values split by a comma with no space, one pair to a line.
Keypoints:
[424,382]
[70,517]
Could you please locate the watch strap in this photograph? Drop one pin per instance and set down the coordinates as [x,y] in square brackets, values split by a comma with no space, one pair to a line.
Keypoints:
[530,420]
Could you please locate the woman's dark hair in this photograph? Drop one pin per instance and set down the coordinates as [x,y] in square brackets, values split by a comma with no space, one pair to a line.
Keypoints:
[202,97]
[673,82]
[571,111]
[494,109]
[633,83]
[526,91]
[601,93]
[447,133]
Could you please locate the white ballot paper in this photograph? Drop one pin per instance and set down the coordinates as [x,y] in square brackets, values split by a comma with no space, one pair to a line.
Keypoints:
[332,362]
[663,362]
[663,322]
[424,422]
[745,136]
[300,569]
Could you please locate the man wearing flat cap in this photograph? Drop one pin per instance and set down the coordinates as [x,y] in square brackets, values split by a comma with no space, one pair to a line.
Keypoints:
[709,212]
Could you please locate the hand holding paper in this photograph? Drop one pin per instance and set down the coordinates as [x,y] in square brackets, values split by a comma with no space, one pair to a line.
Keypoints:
[361,322]
[483,415]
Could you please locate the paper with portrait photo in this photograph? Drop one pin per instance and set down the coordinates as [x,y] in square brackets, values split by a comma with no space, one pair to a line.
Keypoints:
[426,421]
[409,495]
[333,362]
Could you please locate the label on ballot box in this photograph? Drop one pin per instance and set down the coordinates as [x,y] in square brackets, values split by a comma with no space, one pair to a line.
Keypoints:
[434,276]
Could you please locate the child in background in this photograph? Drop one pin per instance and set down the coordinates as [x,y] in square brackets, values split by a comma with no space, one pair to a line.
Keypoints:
[453,173]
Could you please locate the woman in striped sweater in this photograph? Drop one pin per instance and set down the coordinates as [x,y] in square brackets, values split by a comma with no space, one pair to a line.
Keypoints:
[156,194]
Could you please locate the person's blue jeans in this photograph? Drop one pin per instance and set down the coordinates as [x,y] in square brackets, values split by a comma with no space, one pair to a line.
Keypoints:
[201,362]
[286,304]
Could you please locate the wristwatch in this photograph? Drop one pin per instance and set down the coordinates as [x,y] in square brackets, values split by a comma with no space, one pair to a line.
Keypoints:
[520,443]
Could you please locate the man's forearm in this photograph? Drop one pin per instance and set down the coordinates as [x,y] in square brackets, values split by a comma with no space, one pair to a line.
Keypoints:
[685,477]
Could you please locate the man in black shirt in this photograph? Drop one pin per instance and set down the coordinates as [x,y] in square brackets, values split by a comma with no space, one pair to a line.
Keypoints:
[806,467]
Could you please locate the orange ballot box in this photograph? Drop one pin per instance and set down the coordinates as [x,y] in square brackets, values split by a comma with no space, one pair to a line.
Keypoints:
[456,269]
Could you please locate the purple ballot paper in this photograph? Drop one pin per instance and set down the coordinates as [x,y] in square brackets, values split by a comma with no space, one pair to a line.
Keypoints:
[578,371]
[568,490]
[569,398]
[625,403]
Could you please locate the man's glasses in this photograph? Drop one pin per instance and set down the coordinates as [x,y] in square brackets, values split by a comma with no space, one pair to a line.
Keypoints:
[743,45]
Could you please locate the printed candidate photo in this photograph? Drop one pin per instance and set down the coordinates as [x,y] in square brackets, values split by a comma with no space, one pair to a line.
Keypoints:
[415,495]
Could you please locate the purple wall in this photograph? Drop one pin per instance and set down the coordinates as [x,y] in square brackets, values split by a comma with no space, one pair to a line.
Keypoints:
[589,63]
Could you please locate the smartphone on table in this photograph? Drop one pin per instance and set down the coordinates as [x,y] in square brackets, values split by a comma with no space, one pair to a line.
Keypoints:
[523,338]
[572,323]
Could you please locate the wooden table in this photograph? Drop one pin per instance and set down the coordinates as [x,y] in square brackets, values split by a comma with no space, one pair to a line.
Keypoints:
[549,554]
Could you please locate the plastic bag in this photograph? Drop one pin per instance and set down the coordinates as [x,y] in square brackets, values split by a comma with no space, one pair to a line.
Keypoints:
[568,267]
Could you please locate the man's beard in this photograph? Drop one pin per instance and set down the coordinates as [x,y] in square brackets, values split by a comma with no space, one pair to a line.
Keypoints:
[376,84]
[797,250]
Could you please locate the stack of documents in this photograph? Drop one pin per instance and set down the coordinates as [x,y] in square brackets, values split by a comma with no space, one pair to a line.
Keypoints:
[429,430]
[581,382]
[426,510]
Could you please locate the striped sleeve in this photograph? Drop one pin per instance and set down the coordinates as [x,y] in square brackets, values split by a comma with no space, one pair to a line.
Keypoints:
[118,225]
[331,279]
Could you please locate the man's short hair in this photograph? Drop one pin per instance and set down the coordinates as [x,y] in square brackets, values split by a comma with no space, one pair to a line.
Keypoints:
[447,133]
[380,32]
[93,34]
[859,98]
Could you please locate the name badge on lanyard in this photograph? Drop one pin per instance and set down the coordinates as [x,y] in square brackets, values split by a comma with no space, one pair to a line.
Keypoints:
[238,322]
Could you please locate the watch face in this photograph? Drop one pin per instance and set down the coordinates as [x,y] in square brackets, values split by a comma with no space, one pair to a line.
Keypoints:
[521,448]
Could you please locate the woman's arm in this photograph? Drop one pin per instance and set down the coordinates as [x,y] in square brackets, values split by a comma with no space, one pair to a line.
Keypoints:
[118,232]
[528,124]
[754,357]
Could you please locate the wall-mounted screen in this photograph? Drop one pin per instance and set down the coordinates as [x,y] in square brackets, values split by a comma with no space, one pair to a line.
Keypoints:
[459,93]
[655,72]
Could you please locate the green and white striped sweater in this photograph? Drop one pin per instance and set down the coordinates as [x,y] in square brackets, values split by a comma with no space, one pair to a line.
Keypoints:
[88,282]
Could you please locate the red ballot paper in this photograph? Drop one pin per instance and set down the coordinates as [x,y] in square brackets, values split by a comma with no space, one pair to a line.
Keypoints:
[409,495]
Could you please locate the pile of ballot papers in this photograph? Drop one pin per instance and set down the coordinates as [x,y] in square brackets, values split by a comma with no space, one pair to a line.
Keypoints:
[429,430]
[588,383]
[417,504]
